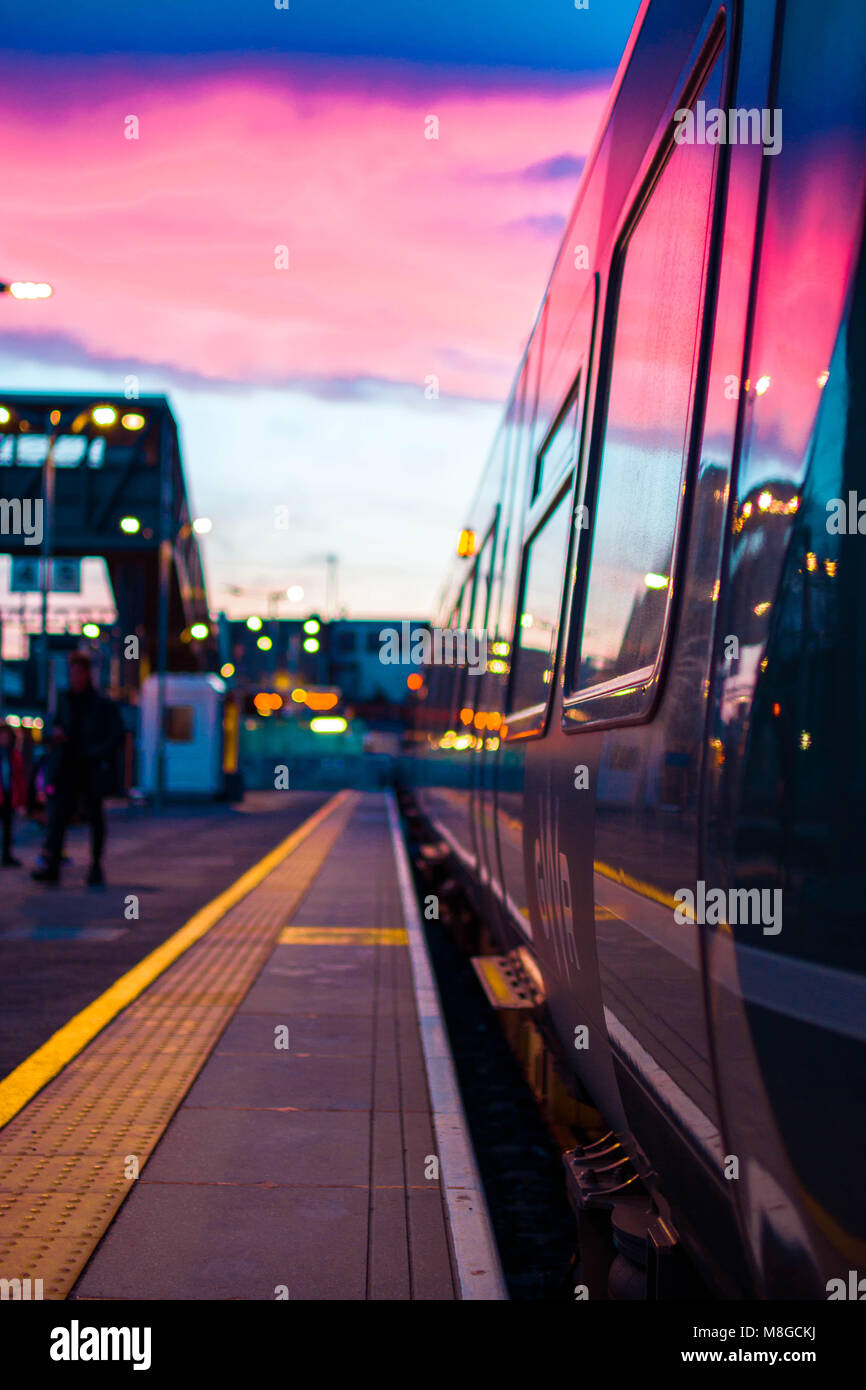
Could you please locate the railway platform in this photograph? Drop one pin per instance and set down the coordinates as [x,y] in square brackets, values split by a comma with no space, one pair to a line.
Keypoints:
[263,1107]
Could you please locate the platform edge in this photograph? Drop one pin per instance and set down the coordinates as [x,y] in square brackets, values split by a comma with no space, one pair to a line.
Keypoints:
[479,1272]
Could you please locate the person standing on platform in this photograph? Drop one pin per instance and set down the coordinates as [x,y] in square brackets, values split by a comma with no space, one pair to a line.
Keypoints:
[86,732]
[13,791]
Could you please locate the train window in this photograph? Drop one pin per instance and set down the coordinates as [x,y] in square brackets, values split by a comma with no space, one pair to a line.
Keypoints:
[558,450]
[178,722]
[534,650]
[645,449]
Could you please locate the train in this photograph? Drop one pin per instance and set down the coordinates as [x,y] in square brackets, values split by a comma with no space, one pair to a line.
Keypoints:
[654,784]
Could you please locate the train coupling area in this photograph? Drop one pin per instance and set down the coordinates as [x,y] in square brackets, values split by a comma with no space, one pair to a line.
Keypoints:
[266,1107]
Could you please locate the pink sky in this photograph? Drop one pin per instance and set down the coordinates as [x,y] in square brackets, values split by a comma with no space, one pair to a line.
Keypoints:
[408,256]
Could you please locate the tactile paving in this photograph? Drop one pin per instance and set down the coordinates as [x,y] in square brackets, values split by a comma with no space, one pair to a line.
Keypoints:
[70,1157]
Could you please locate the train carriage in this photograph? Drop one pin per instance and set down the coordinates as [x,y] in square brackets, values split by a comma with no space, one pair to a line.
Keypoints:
[657,788]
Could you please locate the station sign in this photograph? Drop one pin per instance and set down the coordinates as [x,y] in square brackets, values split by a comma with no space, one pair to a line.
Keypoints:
[26,575]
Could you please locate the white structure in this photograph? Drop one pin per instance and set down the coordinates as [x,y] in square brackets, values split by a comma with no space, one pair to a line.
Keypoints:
[192,728]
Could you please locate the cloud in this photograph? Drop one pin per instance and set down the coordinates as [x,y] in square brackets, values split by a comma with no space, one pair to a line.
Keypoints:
[560,166]
[404,260]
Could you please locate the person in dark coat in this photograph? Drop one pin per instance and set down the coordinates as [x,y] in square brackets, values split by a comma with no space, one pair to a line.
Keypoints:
[13,791]
[86,732]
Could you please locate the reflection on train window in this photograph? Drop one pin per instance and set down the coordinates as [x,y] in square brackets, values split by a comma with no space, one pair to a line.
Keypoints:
[558,449]
[657,330]
[538,615]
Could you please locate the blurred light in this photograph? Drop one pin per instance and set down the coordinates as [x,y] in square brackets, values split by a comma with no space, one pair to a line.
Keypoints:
[777,710]
[294,593]
[91,629]
[747,509]
[501,648]
[714,596]
[311,625]
[264,644]
[765,500]
[498,668]
[805,739]
[299,696]
[464,741]
[415,681]
[199,631]
[762,385]
[761,608]
[130,524]
[37,724]
[811,562]
[254,624]
[321,699]
[14,720]
[526,620]
[329,724]
[267,702]
[656,581]
[30,289]
[466,543]
[823,378]
[54,417]
[103,415]
[311,645]
[227,669]
[5,417]
[831,566]
[132,421]
[466,716]
[202,525]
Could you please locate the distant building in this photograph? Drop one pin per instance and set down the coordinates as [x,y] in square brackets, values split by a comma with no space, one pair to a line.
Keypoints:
[345,654]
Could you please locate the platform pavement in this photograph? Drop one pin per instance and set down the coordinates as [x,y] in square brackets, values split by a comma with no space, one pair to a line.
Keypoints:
[307,1171]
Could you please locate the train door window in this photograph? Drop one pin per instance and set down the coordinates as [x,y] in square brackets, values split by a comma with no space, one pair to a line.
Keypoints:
[536,628]
[558,450]
[661,271]
[178,723]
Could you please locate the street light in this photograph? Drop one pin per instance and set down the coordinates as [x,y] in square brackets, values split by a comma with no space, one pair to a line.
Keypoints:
[27,289]
[202,525]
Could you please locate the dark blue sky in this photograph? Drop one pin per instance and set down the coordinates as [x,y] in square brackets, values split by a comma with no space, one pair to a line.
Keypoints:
[535,34]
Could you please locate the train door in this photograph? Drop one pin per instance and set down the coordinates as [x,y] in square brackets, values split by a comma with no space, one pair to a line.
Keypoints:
[636,671]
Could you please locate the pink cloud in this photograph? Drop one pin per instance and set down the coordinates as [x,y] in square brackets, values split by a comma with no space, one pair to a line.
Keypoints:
[408,256]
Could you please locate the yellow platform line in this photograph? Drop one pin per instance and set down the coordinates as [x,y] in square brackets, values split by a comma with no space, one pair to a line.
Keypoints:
[344,936]
[22,1084]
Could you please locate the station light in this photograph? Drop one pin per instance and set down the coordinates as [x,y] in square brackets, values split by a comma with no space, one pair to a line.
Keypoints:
[132,421]
[415,681]
[329,724]
[267,702]
[765,500]
[299,696]
[254,624]
[321,699]
[311,645]
[466,543]
[54,417]
[227,669]
[91,629]
[103,415]
[264,644]
[762,385]
[30,289]
[202,525]
[130,525]
[312,626]
[294,593]
[656,581]
[5,417]
[199,631]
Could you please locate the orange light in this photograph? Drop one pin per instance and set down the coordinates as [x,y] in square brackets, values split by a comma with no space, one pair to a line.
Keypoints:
[480,719]
[466,716]
[777,710]
[414,681]
[494,720]
[321,699]
[267,701]
[466,543]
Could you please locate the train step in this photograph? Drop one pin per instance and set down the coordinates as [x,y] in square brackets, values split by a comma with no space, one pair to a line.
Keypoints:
[511,981]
